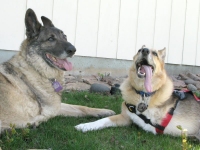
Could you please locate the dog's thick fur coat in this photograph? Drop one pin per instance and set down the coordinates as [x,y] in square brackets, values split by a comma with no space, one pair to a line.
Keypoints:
[186,113]
[26,92]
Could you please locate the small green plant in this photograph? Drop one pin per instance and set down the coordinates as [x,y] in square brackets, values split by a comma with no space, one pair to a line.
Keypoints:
[10,133]
[185,145]
[100,75]
[26,131]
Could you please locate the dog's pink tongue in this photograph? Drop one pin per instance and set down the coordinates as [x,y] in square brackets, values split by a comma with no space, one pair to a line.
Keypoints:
[147,82]
[66,64]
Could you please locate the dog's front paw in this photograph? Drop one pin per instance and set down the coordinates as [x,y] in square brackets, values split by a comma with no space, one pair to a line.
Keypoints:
[96,125]
[84,127]
[104,113]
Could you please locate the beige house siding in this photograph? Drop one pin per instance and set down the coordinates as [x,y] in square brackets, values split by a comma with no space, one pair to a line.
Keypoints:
[113,28]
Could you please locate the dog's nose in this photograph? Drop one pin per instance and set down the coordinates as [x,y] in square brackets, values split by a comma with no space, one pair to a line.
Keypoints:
[145,51]
[71,50]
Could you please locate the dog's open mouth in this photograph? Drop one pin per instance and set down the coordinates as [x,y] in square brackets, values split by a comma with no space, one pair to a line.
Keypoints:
[63,64]
[145,70]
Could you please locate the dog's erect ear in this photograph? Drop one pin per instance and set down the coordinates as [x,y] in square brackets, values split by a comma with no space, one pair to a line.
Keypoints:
[47,22]
[162,53]
[32,24]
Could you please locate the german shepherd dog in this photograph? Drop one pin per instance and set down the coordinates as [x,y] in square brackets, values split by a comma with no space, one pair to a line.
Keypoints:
[30,80]
[149,100]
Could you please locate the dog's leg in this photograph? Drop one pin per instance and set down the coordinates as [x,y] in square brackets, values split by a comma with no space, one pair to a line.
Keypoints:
[80,111]
[117,120]
[113,121]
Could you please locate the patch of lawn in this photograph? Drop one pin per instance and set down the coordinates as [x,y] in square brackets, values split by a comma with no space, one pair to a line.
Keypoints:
[59,133]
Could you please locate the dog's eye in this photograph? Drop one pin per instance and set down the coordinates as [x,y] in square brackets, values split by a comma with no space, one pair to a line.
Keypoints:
[51,39]
[139,50]
[154,53]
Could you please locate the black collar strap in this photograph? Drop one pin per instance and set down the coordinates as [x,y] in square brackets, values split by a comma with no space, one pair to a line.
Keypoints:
[145,94]
[132,109]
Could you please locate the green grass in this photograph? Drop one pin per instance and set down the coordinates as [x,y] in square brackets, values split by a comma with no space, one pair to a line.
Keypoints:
[59,133]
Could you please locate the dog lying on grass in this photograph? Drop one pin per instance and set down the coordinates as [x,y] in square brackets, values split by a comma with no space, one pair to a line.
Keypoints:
[149,102]
[30,80]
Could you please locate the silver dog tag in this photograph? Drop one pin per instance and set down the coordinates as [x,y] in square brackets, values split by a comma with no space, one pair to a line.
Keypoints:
[143,105]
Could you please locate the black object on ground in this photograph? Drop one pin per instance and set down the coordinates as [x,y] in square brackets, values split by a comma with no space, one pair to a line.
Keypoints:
[115,89]
[99,88]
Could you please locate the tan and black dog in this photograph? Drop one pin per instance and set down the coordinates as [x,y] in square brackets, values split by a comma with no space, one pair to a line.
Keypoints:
[30,80]
[149,102]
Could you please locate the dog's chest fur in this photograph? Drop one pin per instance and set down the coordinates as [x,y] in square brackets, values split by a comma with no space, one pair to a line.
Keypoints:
[31,86]
[158,104]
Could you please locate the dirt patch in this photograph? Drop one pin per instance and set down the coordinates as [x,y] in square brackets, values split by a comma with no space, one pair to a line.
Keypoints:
[83,83]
